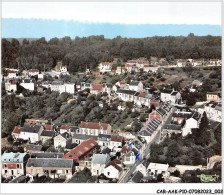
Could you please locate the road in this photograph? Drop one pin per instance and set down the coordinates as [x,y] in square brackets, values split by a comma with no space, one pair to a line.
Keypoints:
[146,153]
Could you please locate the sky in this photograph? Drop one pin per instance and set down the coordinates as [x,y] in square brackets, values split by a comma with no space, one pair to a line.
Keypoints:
[119,14]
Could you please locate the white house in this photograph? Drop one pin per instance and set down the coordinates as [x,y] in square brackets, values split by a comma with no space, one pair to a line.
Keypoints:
[136,86]
[157,168]
[33,72]
[63,69]
[181,63]
[28,84]
[11,86]
[57,86]
[62,140]
[116,141]
[99,162]
[104,140]
[126,95]
[174,97]
[69,88]
[11,75]
[105,67]
[94,129]
[31,132]
[129,158]
[13,164]
[16,132]
[64,128]
[191,123]
[107,87]
[113,170]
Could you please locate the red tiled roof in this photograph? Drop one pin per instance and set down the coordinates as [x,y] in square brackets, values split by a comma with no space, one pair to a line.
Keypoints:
[125,150]
[128,66]
[105,63]
[122,82]
[48,127]
[142,95]
[155,66]
[13,82]
[115,163]
[17,130]
[81,150]
[116,138]
[97,87]
[98,126]
[10,72]
[33,70]
[65,127]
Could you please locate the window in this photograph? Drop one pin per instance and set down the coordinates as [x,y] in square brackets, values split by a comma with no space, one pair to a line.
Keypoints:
[66,171]
[38,171]
[86,163]
[17,166]
[5,165]
[97,171]
[108,173]
[31,170]
[5,171]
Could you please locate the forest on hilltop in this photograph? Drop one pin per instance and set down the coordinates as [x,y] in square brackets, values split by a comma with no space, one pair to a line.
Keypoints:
[81,53]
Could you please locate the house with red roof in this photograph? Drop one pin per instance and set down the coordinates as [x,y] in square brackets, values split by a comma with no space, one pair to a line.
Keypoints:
[105,67]
[16,132]
[94,129]
[116,141]
[82,151]
[64,128]
[11,74]
[96,88]
[114,169]
[33,72]
[11,86]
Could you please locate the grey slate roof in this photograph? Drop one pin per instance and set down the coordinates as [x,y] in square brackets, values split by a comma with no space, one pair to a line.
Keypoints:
[104,137]
[34,147]
[46,155]
[106,151]
[134,83]
[125,91]
[172,127]
[174,93]
[65,135]
[108,85]
[31,128]
[83,136]
[137,177]
[150,128]
[52,163]
[47,133]
[100,159]
[73,129]
[182,115]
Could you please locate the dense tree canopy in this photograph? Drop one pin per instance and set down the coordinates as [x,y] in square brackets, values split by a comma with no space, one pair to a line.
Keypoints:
[87,52]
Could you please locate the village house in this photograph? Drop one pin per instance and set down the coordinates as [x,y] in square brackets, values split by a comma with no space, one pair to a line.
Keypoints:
[79,138]
[81,154]
[96,88]
[181,114]
[104,140]
[99,162]
[105,67]
[211,96]
[116,141]
[174,97]
[72,130]
[30,148]
[154,169]
[86,86]
[70,87]
[113,170]
[53,167]
[28,84]
[142,167]
[136,86]
[181,63]
[169,129]
[152,68]
[107,87]
[94,129]
[11,75]
[57,86]
[192,123]
[36,121]
[120,70]
[126,95]
[33,72]
[213,110]
[62,140]
[130,156]
[64,128]
[31,132]
[63,69]
[11,86]
[16,132]
[47,135]
[13,164]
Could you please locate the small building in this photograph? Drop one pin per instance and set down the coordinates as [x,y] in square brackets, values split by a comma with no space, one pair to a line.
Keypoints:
[79,138]
[11,86]
[28,84]
[96,88]
[47,135]
[33,72]
[105,67]
[82,151]
[34,148]
[211,96]
[13,164]
[99,162]
[11,74]
[116,141]
[64,128]
[136,86]
[16,132]
[104,140]
[31,132]
[53,167]
[62,140]
[94,129]
[154,169]
[113,170]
